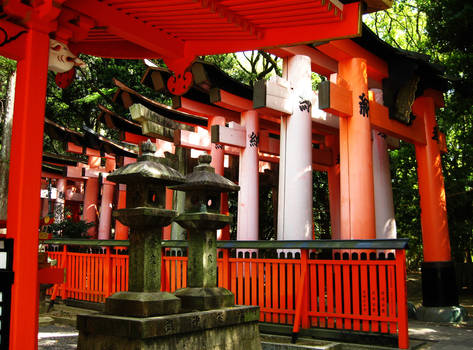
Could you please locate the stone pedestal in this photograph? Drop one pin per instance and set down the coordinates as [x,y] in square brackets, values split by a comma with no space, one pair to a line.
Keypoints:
[234,328]
[202,292]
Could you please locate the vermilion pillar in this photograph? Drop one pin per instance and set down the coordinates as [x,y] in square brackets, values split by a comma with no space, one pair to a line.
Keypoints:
[24,187]
[121,231]
[295,167]
[217,152]
[357,209]
[333,177]
[438,275]
[91,197]
[106,207]
[248,179]
[60,200]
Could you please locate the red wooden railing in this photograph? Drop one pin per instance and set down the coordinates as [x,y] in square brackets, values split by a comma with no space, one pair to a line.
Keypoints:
[367,295]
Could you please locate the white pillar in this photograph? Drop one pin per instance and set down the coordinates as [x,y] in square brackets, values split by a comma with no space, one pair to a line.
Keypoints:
[383,192]
[248,196]
[295,174]
[60,200]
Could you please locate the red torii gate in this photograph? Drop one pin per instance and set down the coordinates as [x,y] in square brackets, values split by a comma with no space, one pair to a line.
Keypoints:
[175,31]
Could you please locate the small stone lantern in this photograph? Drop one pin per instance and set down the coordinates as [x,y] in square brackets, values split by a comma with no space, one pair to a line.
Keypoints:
[145,214]
[202,219]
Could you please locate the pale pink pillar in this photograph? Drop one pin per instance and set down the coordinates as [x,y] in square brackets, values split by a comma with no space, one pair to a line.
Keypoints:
[91,197]
[106,209]
[295,173]
[217,152]
[60,200]
[383,191]
[248,196]
[44,207]
[121,231]
[106,205]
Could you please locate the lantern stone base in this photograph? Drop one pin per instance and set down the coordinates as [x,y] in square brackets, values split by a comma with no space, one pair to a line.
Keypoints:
[204,298]
[234,328]
[138,304]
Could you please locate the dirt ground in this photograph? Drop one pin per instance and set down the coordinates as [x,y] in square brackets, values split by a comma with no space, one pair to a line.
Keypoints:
[414,293]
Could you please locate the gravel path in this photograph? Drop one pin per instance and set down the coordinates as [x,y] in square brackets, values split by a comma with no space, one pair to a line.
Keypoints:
[57,337]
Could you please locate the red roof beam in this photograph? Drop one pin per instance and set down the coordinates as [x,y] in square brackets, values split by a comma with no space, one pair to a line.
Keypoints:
[230,101]
[348,25]
[129,28]
[345,49]
[214,7]
[193,107]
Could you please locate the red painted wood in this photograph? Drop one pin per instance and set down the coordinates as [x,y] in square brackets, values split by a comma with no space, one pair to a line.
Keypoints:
[275,292]
[233,287]
[100,278]
[240,295]
[261,289]
[247,283]
[401,289]
[282,290]
[254,283]
[321,287]
[355,277]
[365,302]
[330,294]
[314,295]
[179,274]
[24,180]
[383,305]
[392,298]
[373,274]
[338,295]
[184,274]
[173,276]
[346,294]
[268,290]
[290,289]
[321,278]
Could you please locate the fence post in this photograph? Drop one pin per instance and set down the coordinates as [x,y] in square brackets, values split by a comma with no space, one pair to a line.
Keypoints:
[403,330]
[65,265]
[301,299]
[305,296]
[226,268]
[107,274]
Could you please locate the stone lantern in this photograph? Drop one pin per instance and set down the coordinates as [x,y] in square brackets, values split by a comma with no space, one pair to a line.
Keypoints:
[145,214]
[202,219]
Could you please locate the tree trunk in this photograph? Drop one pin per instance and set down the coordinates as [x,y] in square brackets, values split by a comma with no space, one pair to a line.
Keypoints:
[5,151]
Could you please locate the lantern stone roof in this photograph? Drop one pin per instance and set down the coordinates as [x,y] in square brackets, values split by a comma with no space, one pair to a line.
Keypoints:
[204,178]
[148,168]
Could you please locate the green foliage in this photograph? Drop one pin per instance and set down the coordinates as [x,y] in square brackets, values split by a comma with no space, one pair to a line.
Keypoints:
[69,228]
[249,66]
[441,29]
[7,67]
[320,206]
[76,105]
[402,26]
